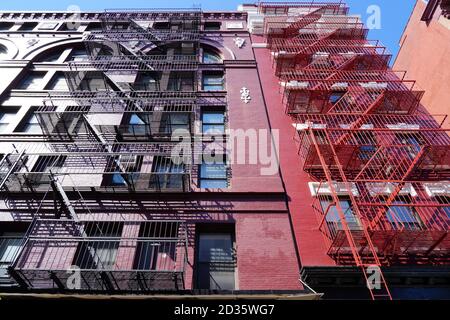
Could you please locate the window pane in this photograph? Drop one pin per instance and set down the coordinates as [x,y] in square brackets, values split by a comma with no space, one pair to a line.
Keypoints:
[211,57]
[213,171]
[213,129]
[212,82]
[216,265]
[213,184]
[401,214]
[213,117]
[5,119]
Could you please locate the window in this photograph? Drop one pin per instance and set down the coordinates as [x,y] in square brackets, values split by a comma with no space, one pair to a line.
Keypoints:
[156,255]
[33,81]
[126,170]
[213,122]
[30,123]
[215,261]
[93,82]
[413,141]
[7,117]
[213,81]
[213,175]
[401,214]
[212,25]
[181,81]
[174,121]
[43,166]
[446,201]
[333,219]
[11,238]
[78,54]
[97,252]
[3,52]
[146,82]
[58,83]
[211,57]
[94,26]
[136,125]
[336,96]
[28,26]
[167,174]
[367,142]
[5,26]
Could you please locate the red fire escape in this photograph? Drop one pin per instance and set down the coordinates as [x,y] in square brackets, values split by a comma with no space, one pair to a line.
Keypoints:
[380,163]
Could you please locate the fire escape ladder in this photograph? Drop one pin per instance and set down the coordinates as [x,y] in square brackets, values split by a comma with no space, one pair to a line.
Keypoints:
[293,28]
[370,263]
[64,199]
[398,188]
[109,149]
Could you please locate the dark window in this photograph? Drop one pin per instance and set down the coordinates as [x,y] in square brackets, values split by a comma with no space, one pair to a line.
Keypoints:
[28,26]
[146,82]
[215,261]
[167,174]
[213,122]
[181,81]
[214,175]
[213,81]
[212,25]
[174,121]
[157,251]
[94,26]
[42,168]
[4,26]
[100,250]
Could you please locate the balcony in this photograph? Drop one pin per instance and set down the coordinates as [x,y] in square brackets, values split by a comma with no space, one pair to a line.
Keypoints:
[148,167]
[414,223]
[374,147]
[122,256]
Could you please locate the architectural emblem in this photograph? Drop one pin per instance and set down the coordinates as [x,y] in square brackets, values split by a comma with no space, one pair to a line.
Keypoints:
[32,43]
[239,42]
[245,95]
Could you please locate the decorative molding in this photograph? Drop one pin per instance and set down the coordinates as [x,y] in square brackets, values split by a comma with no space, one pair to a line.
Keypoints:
[239,42]
[245,95]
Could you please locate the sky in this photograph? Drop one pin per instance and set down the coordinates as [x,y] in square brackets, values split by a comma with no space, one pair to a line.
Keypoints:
[394,14]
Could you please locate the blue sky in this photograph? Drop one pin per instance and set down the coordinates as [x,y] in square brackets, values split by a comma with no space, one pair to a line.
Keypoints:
[394,13]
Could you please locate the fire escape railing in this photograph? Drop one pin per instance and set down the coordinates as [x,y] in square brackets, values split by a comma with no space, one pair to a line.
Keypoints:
[128,255]
[364,137]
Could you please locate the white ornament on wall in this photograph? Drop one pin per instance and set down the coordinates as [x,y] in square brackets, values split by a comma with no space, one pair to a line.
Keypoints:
[239,42]
[245,95]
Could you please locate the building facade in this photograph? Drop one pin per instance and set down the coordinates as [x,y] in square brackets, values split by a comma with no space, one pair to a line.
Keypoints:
[424,50]
[182,151]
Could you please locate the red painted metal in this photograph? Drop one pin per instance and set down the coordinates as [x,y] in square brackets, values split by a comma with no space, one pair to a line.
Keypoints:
[364,137]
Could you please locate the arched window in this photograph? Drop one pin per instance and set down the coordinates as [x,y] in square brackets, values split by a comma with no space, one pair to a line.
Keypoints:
[211,56]
[3,51]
